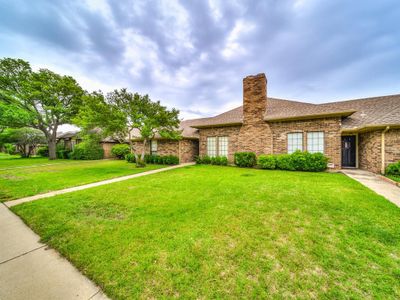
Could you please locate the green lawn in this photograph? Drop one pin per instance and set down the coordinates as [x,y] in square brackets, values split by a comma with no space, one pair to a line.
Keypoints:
[12,161]
[205,232]
[27,180]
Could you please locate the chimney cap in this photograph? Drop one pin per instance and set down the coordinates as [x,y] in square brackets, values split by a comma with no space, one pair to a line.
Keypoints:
[259,75]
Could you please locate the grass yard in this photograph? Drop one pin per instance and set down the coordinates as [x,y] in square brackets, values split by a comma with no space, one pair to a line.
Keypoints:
[12,161]
[31,179]
[224,232]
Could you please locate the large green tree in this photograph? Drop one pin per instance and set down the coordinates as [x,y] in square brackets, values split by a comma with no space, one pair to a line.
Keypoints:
[128,116]
[44,100]
[25,139]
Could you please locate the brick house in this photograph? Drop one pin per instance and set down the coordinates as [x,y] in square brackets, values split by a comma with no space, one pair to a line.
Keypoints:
[362,133]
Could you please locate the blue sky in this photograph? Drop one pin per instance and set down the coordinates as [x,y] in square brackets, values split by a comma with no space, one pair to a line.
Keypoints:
[193,55]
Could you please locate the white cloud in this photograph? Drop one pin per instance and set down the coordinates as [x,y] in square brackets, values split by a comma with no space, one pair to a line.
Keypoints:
[233,46]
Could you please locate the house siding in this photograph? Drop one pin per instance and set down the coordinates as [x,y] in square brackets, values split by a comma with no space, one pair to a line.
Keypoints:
[369,151]
[232,132]
[188,150]
[392,146]
[107,149]
[332,136]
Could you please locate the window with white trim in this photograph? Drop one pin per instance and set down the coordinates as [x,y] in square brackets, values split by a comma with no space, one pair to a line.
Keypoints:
[315,142]
[212,146]
[223,146]
[294,141]
[153,147]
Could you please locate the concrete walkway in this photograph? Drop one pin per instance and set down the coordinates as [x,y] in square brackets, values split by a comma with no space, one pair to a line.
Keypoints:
[375,183]
[90,185]
[30,270]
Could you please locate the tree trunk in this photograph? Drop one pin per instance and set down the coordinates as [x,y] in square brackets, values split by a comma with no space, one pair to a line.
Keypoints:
[143,150]
[52,148]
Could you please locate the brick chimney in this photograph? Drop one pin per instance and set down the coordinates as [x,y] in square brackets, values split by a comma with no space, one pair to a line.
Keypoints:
[255,134]
[254,98]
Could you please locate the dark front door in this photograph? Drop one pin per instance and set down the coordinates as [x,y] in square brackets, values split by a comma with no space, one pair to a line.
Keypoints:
[349,151]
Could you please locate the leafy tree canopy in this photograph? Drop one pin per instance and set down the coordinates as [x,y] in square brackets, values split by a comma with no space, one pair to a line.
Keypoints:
[44,99]
[25,139]
[120,113]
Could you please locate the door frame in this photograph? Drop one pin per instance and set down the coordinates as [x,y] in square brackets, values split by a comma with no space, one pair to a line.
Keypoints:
[349,134]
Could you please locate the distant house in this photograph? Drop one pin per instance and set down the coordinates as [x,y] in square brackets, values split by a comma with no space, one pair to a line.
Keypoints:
[72,138]
[361,133]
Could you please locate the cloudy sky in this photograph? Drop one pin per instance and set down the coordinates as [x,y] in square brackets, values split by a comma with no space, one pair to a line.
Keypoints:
[192,55]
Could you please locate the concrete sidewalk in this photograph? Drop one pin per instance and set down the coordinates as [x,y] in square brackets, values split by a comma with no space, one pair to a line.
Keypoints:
[90,185]
[30,270]
[375,183]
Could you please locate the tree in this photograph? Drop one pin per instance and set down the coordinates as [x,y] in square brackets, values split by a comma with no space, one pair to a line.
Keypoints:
[44,99]
[120,113]
[25,139]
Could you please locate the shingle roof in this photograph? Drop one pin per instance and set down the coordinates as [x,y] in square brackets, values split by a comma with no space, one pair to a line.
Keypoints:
[357,113]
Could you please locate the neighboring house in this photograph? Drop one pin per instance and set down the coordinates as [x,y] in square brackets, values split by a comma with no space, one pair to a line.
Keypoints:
[362,133]
[71,138]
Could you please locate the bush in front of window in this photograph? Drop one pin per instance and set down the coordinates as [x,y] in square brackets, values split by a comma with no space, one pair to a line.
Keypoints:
[267,162]
[216,160]
[162,160]
[301,161]
[245,159]
[120,150]
[284,162]
[393,169]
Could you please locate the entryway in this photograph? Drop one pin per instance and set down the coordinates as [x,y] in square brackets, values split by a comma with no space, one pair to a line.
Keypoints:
[349,151]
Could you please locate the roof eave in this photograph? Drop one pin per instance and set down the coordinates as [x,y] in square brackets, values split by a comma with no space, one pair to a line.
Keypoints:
[313,116]
[369,127]
[216,125]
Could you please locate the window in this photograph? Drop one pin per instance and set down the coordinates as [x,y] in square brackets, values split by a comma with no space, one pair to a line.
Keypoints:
[295,141]
[315,142]
[153,147]
[223,146]
[211,146]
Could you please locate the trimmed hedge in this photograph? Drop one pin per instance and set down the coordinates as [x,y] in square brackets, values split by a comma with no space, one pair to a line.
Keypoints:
[297,161]
[207,160]
[154,159]
[393,169]
[87,151]
[267,162]
[120,150]
[245,159]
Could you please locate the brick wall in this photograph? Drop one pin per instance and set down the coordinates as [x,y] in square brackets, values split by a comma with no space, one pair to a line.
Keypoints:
[107,149]
[369,151]
[185,149]
[232,132]
[188,150]
[392,146]
[330,127]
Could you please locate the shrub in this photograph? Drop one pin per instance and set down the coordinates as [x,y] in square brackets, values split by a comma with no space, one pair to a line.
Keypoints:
[87,150]
[63,153]
[162,160]
[130,158]
[267,162]
[43,151]
[284,162]
[216,160]
[120,150]
[10,148]
[245,159]
[315,162]
[302,161]
[393,169]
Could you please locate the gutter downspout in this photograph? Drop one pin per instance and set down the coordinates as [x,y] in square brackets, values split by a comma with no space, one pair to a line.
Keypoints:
[383,152]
